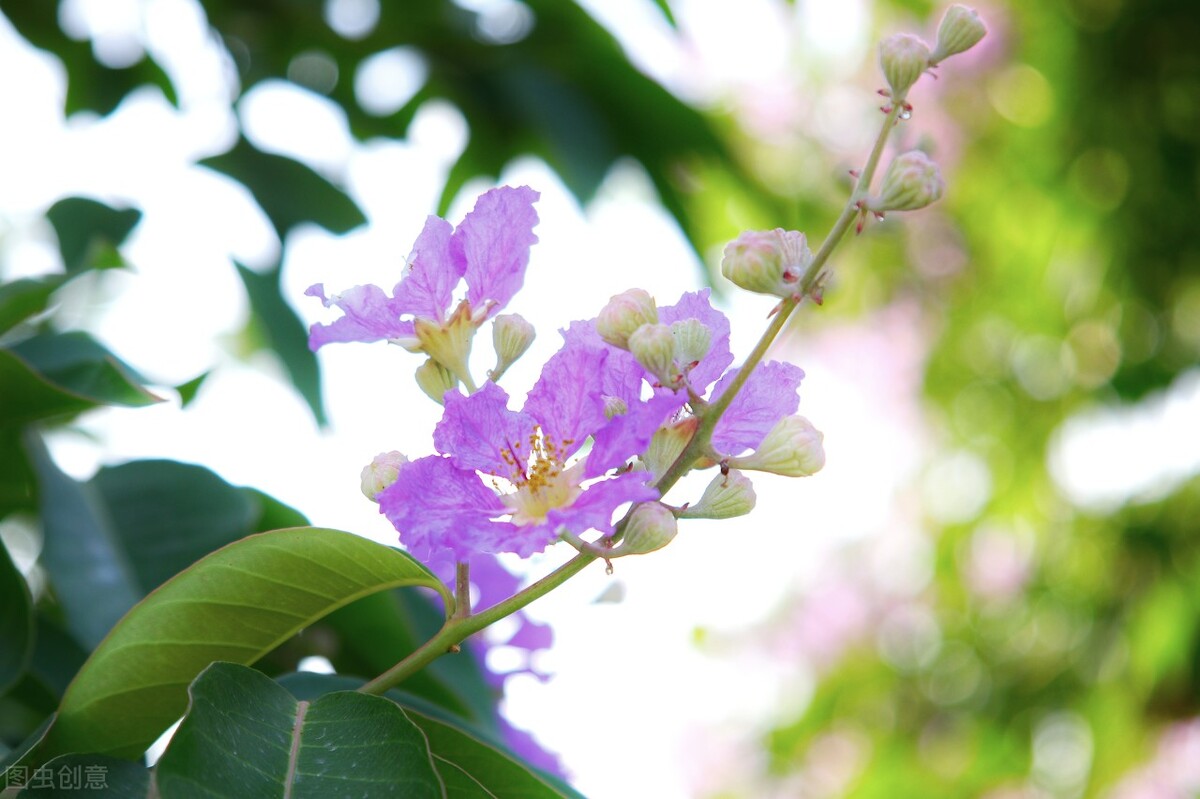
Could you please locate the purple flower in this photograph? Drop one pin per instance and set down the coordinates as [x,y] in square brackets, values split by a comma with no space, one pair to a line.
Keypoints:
[489,249]
[534,481]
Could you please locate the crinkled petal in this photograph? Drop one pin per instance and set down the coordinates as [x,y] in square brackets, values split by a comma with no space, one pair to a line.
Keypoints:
[480,432]
[427,289]
[593,509]
[369,315]
[622,376]
[696,305]
[493,241]
[435,506]
[768,395]
[629,434]
[566,399]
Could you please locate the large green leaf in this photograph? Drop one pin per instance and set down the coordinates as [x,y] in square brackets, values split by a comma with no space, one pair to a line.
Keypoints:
[23,298]
[286,334]
[244,729]
[236,604]
[16,622]
[289,192]
[90,231]
[75,775]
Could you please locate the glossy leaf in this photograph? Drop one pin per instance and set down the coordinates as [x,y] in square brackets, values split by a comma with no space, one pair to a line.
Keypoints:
[286,334]
[16,621]
[75,775]
[90,231]
[24,298]
[236,604]
[244,729]
[289,192]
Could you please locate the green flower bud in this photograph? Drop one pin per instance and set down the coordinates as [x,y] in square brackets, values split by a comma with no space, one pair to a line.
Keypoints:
[961,29]
[692,341]
[624,314]
[651,526]
[511,336]
[666,445]
[435,380]
[727,496]
[654,348]
[912,181]
[767,261]
[793,448]
[381,473]
[904,59]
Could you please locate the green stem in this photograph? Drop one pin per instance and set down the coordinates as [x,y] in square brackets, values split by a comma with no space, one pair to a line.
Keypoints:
[462,590]
[459,628]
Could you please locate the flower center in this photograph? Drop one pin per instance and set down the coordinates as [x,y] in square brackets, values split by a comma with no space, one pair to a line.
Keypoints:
[542,480]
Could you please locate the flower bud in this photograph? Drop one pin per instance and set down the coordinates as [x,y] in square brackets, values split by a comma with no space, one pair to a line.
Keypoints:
[912,181]
[666,445]
[793,448]
[728,495]
[435,380]
[624,314]
[651,526]
[654,348]
[511,336]
[692,341]
[381,473]
[904,58]
[767,261]
[961,29]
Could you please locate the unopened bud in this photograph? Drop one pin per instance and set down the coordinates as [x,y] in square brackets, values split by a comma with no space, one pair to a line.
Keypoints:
[654,348]
[381,473]
[793,448]
[624,314]
[651,526]
[666,445]
[435,380]
[511,336]
[692,341]
[767,261]
[727,496]
[912,181]
[904,58]
[961,29]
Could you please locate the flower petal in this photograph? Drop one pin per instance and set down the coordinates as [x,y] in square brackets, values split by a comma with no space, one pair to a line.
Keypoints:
[369,315]
[435,506]
[493,241]
[566,399]
[696,305]
[629,434]
[427,288]
[480,432]
[768,395]
[594,508]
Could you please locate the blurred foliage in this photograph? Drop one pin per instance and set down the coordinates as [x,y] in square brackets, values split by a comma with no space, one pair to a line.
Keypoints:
[1060,273]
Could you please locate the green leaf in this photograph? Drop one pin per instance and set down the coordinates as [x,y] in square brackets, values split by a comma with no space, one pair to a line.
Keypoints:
[288,192]
[16,622]
[62,373]
[243,729]
[236,604]
[286,334]
[189,390]
[75,775]
[24,298]
[16,477]
[89,232]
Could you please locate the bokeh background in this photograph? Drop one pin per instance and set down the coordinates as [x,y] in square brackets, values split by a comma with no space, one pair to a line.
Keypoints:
[991,590]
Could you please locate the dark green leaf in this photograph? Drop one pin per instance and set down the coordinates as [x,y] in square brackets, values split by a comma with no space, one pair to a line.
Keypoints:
[16,478]
[271,514]
[189,390]
[286,334]
[88,566]
[243,729]
[236,604]
[24,298]
[89,232]
[289,192]
[59,373]
[16,621]
[75,775]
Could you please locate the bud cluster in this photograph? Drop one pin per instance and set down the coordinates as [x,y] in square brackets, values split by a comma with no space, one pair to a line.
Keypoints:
[905,57]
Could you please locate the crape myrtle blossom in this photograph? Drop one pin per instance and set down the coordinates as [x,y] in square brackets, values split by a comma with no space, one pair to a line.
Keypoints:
[488,251]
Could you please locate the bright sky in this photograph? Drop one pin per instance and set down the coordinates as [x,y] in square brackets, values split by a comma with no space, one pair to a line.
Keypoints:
[625,670]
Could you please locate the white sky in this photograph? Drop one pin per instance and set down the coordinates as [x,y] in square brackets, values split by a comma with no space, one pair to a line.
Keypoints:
[623,671]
